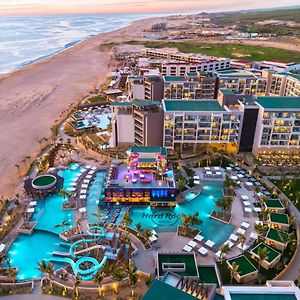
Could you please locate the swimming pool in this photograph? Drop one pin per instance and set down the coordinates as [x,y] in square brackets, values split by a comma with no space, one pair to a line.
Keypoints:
[28,250]
[167,220]
[95,192]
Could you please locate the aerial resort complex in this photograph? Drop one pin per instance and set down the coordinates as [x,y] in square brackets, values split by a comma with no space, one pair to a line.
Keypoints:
[175,178]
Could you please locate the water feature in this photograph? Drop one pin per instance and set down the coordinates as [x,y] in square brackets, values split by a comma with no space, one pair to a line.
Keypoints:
[166,219]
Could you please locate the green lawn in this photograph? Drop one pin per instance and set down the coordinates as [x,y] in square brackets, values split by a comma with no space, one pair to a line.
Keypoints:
[96,99]
[291,188]
[253,53]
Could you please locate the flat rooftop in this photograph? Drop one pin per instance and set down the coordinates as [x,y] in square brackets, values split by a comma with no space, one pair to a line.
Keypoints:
[149,149]
[274,203]
[130,178]
[235,73]
[245,266]
[277,102]
[163,291]
[279,218]
[272,254]
[186,259]
[277,235]
[193,105]
[174,79]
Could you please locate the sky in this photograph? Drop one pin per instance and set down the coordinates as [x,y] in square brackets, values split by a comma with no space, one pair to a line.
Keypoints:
[23,7]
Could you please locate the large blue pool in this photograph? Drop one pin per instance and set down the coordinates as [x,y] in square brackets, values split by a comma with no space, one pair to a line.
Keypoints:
[168,219]
[27,250]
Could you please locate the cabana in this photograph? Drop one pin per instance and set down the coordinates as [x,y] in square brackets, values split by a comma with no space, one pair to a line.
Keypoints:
[246,270]
[272,259]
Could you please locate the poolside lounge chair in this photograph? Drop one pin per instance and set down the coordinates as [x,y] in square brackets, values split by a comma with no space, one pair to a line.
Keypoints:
[253,236]
[203,251]
[241,231]
[233,237]
[229,243]
[245,225]
[187,248]
[209,243]
[246,203]
[218,254]
[198,238]
[243,247]
[192,244]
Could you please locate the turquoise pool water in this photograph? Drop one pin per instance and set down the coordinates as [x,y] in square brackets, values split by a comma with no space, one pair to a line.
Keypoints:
[28,250]
[167,219]
[95,192]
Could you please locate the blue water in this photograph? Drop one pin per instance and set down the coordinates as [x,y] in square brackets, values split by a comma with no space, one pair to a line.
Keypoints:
[28,250]
[168,220]
[25,39]
[95,192]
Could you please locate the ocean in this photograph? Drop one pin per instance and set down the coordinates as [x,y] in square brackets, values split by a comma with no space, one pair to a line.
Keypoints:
[27,39]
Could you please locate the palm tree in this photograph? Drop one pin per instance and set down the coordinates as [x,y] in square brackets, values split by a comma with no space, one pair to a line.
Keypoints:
[98,215]
[233,271]
[47,270]
[262,255]
[181,183]
[98,278]
[64,278]
[264,214]
[186,221]
[147,233]
[64,193]
[194,219]
[224,249]
[223,204]
[131,270]
[75,286]
[242,239]
[259,228]
[287,238]
[150,278]
[62,225]
[116,274]
[126,219]
[138,227]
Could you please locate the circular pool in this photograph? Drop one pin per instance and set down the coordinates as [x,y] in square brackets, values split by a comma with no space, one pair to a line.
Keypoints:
[44,182]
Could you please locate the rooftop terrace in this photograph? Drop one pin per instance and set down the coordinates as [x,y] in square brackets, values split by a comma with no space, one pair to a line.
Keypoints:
[272,254]
[245,266]
[277,102]
[193,105]
[279,218]
[277,235]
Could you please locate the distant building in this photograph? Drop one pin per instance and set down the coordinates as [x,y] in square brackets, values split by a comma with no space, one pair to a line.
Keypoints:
[242,81]
[283,84]
[203,62]
[191,86]
[277,65]
[153,88]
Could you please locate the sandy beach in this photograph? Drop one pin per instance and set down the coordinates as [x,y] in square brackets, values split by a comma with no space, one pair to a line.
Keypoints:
[32,98]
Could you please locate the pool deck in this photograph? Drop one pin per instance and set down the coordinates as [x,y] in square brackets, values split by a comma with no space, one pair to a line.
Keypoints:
[170,242]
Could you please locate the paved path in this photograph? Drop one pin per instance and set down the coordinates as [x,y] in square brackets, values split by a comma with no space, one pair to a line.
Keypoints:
[36,295]
[292,272]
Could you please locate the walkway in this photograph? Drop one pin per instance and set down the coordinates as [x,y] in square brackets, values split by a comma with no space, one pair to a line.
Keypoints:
[292,272]
[36,295]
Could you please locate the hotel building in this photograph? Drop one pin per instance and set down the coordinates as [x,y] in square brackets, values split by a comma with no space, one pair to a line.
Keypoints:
[191,86]
[200,122]
[147,177]
[283,84]
[203,62]
[241,81]
[133,123]
[277,134]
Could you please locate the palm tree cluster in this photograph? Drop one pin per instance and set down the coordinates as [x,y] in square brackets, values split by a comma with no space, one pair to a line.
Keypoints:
[224,204]
[190,221]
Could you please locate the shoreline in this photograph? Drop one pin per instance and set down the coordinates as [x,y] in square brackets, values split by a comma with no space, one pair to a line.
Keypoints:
[35,96]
